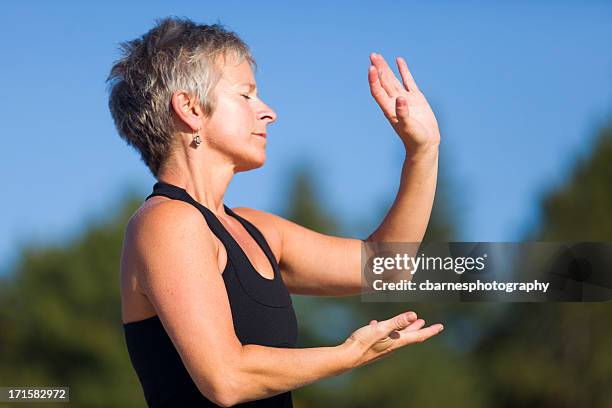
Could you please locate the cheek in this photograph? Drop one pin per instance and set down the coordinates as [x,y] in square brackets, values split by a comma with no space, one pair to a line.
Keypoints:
[236,120]
[231,126]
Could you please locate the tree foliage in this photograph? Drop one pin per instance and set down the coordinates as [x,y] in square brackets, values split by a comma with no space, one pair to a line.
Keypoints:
[60,323]
[557,355]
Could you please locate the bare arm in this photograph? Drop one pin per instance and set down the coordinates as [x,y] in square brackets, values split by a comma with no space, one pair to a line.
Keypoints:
[180,275]
[268,371]
[413,120]
[408,217]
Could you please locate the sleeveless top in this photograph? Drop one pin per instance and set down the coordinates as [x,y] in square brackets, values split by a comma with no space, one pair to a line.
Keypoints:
[262,313]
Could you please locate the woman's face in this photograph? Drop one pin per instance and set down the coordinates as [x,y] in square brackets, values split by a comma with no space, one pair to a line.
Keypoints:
[237,127]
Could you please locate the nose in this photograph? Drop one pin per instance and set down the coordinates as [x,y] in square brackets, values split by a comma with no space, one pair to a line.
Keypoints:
[266,113]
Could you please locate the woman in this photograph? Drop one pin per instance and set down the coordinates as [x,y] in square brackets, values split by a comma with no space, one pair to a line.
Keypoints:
[205,289]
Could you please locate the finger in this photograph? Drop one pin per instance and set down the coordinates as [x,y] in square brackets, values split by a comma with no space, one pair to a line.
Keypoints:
[402,111]
[416,325]
[388,341]
[376,89]
[419,336]
[407,79]
[387,78]
[399,322]
[383,76]
[385,71]
[379,94]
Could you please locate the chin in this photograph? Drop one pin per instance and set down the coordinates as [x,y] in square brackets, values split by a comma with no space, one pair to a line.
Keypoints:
[251,164]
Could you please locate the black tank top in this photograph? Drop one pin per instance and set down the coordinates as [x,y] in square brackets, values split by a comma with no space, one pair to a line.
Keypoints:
[262,313]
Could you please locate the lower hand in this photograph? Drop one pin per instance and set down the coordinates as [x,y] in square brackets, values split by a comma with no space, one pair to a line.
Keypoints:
[378,339]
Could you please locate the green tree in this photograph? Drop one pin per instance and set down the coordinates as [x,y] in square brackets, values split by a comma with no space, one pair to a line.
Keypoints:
[60,320]
[580,209]
[557,355]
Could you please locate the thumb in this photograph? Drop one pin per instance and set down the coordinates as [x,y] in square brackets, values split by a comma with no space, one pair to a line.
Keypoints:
[399,322]
[402,111]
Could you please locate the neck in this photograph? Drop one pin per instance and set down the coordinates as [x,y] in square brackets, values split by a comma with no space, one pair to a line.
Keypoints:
[204,177]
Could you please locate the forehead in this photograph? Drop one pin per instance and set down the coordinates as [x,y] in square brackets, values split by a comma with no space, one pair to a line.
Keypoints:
[238,74]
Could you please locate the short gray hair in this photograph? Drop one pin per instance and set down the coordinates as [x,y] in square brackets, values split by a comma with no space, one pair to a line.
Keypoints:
[176,54]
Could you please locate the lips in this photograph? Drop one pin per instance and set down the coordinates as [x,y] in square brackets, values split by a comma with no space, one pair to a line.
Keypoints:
[260,134]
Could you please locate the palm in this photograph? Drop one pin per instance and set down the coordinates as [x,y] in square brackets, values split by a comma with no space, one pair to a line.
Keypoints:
[411,116]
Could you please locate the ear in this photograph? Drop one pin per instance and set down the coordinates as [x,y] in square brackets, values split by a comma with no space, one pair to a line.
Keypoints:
[187,110]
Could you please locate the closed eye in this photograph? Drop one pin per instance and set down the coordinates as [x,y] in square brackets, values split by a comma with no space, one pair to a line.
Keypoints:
[247,96]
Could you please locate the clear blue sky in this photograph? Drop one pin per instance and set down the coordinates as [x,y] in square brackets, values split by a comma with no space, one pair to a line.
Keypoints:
[518,88]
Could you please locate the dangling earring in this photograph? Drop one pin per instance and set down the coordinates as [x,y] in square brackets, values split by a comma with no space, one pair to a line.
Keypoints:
[196,138]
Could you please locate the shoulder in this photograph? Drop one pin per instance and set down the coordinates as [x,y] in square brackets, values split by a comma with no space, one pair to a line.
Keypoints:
[266,219]
[165,216]
[167,227]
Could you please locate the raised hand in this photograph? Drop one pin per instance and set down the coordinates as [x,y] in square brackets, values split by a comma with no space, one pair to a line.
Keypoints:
[403,105]
[378,339]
